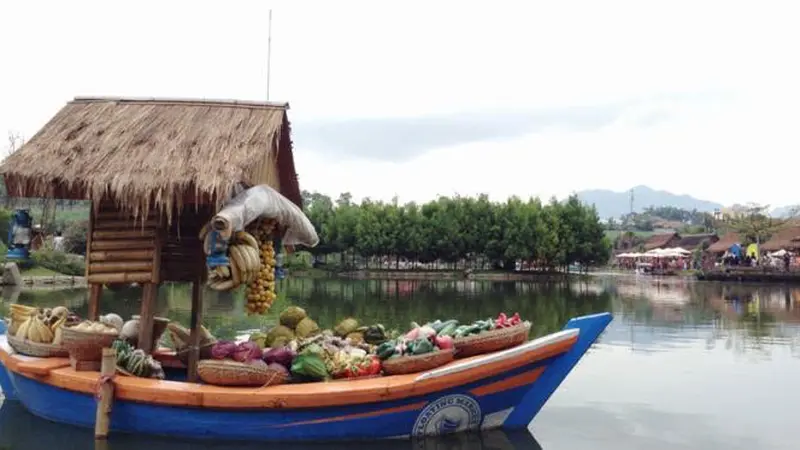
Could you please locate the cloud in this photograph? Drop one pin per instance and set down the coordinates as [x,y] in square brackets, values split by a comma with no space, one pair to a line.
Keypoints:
[522,98]
[402,139]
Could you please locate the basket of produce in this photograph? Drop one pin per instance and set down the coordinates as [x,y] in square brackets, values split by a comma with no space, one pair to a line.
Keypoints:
[422,348]
[135,362]
[400,365]
[86,340]
[37,349]
[241,365]
[38,332]
[486,336]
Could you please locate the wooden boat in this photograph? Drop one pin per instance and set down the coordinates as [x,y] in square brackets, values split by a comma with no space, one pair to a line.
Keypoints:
[505,389]
[20,430]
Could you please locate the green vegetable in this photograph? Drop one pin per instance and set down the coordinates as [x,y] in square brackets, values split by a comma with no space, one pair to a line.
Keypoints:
[385,350]
[448,328]
[310,365]
[460,331]
[124,351]
[437,325]
[473,329]
[421,347]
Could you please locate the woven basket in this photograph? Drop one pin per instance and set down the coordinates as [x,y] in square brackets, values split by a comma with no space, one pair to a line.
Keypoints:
[492,341]
[12,326]
[36,349]
[205,353]
[86,345]
[232,373]
[417,363]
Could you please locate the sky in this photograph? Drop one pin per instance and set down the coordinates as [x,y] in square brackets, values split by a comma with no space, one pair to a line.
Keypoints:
[420,99]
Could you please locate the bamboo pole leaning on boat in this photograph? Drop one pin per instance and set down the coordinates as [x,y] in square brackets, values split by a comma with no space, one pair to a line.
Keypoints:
[105,393]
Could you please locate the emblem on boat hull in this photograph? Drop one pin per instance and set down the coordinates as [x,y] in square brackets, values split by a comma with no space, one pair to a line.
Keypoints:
[449,414]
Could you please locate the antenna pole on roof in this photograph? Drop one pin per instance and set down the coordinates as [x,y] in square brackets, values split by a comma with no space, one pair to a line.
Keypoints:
[269,50]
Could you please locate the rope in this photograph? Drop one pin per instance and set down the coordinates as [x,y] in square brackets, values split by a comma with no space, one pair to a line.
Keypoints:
[100,382]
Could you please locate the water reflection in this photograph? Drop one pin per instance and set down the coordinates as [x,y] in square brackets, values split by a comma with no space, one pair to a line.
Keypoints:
[678,354]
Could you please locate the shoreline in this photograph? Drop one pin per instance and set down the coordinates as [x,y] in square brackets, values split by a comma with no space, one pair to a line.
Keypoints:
[442,275]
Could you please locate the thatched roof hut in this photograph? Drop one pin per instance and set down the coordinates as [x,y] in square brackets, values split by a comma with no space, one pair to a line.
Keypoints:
[162,153]
[692,241]
[787,238]
[725,242]
[661,241]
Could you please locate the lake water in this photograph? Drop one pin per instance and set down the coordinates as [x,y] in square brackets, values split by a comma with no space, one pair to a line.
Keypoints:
[684,365]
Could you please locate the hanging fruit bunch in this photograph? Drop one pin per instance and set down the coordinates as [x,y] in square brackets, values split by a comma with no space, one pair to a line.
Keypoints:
[260,291]
[243,263]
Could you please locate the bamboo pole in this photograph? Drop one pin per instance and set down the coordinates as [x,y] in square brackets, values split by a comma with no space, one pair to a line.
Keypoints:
[195,322]
[120,266]
[120,277]
[149,293]
[122,255]
[127,244]
[105,393]
[102,235]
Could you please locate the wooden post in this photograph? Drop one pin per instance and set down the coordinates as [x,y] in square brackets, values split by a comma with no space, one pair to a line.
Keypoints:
[149,293]
[95,292]
[106,393]
[195,321]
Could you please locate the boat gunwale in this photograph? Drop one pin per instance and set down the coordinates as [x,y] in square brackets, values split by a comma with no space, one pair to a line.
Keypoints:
[296,396]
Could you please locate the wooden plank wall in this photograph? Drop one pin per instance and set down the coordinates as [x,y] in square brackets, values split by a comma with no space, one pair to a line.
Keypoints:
[126,250]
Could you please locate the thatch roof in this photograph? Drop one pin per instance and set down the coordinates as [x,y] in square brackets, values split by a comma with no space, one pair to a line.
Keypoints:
[692,241]
[145,153]
[725,242]
[787,238]
[659,241]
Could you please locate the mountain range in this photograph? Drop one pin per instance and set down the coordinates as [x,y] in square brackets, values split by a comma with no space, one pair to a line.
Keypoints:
[615,204]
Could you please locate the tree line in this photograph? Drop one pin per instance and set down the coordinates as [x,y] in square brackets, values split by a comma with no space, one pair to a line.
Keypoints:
[462,232]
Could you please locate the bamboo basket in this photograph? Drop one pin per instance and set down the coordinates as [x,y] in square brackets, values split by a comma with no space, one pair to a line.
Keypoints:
[233,373]
[417,363]
[86,345]
[39,350]
[492,341]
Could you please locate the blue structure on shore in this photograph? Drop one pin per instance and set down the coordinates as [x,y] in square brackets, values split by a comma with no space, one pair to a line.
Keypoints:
[19,237]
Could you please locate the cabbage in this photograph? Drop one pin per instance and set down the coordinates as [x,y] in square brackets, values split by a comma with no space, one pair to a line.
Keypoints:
[247,351]
[280,355]
[223,349]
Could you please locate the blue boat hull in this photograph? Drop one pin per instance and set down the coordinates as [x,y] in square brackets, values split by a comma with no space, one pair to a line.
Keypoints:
[504,400]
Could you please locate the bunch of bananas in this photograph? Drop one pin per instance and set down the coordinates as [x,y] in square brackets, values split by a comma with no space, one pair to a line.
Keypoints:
[244,263]
[37,325]
[261,291]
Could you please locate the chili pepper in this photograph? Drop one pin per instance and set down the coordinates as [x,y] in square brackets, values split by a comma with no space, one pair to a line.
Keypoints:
[375,366]
[501,320]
